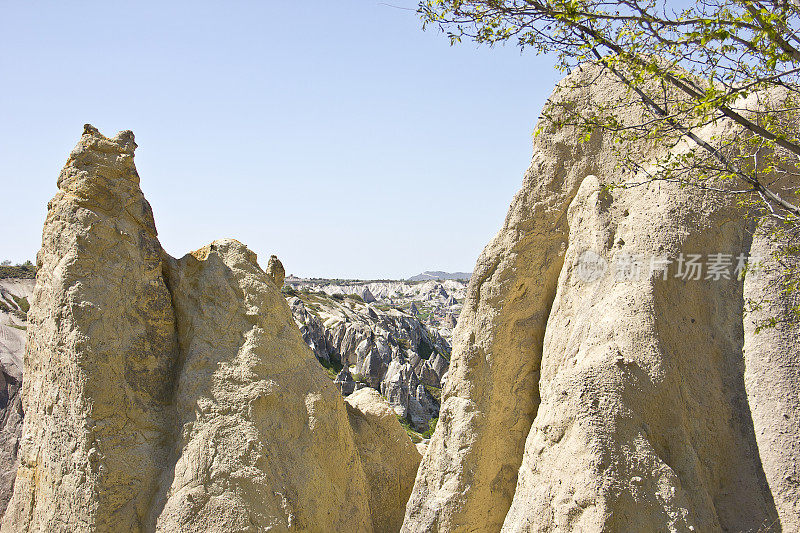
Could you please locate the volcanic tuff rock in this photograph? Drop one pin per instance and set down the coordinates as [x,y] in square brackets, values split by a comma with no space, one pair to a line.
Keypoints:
[100,353]
[265,435]
[386,452]
[639,403]
[433,299]
[388,349]
[14,301]
[170,394]
[275,270]
[15,295]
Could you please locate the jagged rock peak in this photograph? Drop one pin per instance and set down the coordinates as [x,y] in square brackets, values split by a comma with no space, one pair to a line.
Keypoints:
[276,271]
[100,356]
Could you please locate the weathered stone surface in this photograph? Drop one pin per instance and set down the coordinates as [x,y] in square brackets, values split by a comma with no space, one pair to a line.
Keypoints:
[10,431]
[772,380]
[15,295]
[368,341]
[266,441]
[468,476]
[100,357]
[167,394]
[276,271]
[643,420]
[389,457]
[620,404]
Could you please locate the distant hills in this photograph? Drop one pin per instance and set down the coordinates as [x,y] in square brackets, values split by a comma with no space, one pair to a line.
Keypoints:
[438,274]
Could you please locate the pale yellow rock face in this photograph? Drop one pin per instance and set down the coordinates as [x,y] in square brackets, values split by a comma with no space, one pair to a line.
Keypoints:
[100,356]
[772,381]
[389,457]
[642,423]
[468,476]
[167,394]
[266,443]
[614,405]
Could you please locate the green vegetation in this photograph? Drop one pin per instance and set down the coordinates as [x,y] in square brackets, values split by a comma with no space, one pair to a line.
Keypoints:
[431,427]
[436,392]
[687,65]
[312,308]
[332,368]
[22,303]
[412,433]
[288,290]
[23,328]
[415,435]
[27,270]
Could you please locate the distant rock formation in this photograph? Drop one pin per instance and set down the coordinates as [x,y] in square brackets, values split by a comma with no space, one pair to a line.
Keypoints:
[275,270]
[173,394]
[368,342]
[15,295]
[581,398]
[439,275]
[367,296]
[429,297]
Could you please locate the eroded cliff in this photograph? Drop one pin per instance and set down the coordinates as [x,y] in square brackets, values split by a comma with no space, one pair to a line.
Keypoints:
[619,402]
[172,394]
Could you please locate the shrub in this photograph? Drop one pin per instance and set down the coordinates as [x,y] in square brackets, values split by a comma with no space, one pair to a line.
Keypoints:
[431,427]
[290,291]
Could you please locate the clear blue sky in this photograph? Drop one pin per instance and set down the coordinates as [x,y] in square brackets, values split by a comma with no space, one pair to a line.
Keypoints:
[338,135]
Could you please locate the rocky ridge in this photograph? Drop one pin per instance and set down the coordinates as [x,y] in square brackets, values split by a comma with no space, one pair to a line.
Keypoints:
[437,303]
[440,275]
[167,394]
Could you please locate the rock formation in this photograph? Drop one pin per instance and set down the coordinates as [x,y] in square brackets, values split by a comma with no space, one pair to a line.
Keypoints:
[386,452]
[375,344]
[14,302]
[265,440]
[614,402]
[10,429]
[171,394]
[275,270]
[100,356]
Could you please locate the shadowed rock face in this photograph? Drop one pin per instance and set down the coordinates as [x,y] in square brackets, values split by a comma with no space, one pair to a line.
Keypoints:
[386,453]
[637,404]
[14,298]
[169,394]
[10,431]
